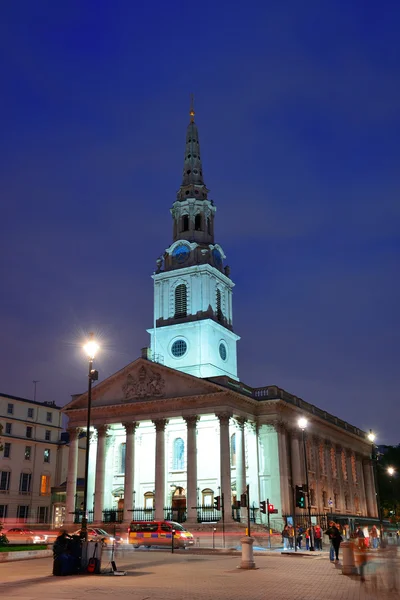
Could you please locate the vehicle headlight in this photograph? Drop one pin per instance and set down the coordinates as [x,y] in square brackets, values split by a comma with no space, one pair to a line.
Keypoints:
[111,539]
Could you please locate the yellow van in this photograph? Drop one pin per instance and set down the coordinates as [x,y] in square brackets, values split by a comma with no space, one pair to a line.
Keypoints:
[159,533]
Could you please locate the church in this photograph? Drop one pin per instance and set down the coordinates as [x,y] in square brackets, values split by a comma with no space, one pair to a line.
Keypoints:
[176,431]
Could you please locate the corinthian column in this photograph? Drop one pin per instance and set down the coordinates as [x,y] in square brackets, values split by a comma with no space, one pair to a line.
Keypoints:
[129,469]
[160,468]
[191,495]
[240,462]
[100,472]
[370,492]
[71,476]
[225,463]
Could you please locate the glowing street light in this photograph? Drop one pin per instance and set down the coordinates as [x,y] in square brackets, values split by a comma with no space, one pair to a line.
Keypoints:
[91,348]
[302,423]
[391,471]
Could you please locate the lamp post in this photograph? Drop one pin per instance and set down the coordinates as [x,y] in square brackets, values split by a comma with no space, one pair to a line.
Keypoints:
[302,422]
[391,471]
[374,457]
[90,349]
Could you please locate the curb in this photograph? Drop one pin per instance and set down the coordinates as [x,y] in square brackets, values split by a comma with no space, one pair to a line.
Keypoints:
[24,555]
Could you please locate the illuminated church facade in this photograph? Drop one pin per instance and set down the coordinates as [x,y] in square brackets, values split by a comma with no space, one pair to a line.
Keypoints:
[176,428]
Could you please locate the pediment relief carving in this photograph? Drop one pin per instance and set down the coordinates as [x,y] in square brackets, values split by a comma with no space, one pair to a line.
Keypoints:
[147,383]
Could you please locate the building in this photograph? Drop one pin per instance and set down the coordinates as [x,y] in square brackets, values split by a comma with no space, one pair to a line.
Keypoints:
[176,428]
[30,437]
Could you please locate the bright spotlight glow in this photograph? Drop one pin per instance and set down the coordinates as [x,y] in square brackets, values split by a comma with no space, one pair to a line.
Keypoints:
[302,423]
[371,436]
[91,347]
[390,471]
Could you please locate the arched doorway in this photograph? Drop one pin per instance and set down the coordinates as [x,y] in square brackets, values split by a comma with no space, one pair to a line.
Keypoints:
[178,504]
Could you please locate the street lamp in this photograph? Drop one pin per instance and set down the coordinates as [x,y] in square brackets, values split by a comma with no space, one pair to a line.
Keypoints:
[391,471]
[90,348]
[371,436]
[302,423]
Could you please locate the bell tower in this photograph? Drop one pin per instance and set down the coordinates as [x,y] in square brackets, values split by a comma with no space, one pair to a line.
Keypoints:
[192,329]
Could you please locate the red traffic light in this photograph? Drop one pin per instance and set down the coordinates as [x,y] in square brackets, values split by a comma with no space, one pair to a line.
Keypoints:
[270,508]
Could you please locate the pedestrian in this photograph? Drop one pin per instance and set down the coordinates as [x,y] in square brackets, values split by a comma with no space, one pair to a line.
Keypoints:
[373,534]
[360,538]
[335,537]
[299,536]
[285,537]
[307,535]
[318,537]
[291,537]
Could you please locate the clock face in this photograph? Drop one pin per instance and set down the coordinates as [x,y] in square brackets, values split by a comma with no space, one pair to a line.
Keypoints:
[181,253]
[217,258]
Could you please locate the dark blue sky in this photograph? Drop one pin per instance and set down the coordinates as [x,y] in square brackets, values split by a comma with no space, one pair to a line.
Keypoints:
[297,105]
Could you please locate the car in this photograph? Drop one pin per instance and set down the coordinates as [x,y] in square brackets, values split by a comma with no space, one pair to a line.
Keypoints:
[96,534]
[18,535]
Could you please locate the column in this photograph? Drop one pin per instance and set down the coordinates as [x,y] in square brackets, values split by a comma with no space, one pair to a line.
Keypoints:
[225,463]
[361,485]
[339,468]
[351,483]
[129,470]
[160,468]
[370,491]
[72,474]
[191,495]
[240,462]
[100,472]
[329,474]
[283,469]
[92,469]
[315,442]
[297,465]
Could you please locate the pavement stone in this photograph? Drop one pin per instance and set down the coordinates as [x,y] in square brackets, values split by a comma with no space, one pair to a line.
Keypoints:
[159,575]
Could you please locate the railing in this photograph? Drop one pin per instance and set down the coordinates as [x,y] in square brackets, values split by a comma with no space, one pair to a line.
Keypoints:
[142,514]
[175,514]
[321,519]
[78,514]
[208,514]
[113,515]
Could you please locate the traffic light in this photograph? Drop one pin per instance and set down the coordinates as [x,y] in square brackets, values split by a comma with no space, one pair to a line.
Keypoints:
[263,507]
[217,502]
[272,510]
[300,497]
[243,500]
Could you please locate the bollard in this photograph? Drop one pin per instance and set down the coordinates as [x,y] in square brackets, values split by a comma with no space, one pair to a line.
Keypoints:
[349,567]
[247,553]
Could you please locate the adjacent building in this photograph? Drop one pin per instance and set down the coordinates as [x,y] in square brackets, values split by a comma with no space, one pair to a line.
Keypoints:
[30,436]
[177,428]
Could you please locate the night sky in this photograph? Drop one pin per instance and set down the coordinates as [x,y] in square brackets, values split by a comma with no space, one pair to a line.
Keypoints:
[297,105]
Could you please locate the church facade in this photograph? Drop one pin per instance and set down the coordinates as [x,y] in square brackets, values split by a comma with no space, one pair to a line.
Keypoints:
[176,428]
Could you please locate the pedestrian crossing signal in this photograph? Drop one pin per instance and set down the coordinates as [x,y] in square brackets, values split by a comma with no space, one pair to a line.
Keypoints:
[300,497]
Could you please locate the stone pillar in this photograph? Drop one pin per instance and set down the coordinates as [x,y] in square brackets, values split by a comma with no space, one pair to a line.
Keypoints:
[240,462]
[225,463]
[370,492]
[71,476]
[283,469]
[315,442]
[92,469]
[191,496]
[351,482]
[361,485]
[296,454]
[338,452]
[100,472]
[129,470]
[329,474]
[160,468]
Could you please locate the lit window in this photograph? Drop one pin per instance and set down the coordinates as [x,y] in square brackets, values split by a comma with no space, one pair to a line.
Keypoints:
[45,485]
[46,455]
[28,451]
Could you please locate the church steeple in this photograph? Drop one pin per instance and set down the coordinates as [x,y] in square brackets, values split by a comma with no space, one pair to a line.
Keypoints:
[193,185]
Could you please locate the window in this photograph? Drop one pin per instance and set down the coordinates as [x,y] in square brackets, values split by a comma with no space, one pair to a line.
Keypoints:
[179,348]
[46,455]
[8,428]
[42,512]
[49,417]
[47,435]
[324,499]
[178,455]
[3,511]
[346,502]
[5,481]
[22,513]
[149,500]
[30,413]
[312,497]
[45,485]
[180,301]
[356,504]
[197,223]
[185,222]
[10,409]
[207,497]
[25,482]
[233,450]
[29,432]
[222,351]
[218,303]
[335,501]
[28,452]
[122,456]
[7,450]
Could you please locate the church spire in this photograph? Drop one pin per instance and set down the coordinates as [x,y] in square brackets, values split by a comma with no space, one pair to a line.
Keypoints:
[193,185]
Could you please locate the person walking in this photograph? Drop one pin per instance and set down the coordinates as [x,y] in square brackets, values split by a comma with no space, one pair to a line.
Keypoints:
[291,537]
[299,536]
[285,537]
[373,534]
[318,537]
[335,537]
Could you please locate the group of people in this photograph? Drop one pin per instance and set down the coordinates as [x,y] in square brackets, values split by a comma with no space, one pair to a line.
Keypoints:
[313,537]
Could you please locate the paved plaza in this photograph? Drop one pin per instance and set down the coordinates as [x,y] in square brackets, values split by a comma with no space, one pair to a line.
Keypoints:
[153,575]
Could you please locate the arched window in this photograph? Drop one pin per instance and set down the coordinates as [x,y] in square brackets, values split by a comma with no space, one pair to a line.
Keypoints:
[233,450]
[219,307]
[197,222]
[178,455]
[122,454]
[185,222]
[149,500]
[180,301]
[207,498]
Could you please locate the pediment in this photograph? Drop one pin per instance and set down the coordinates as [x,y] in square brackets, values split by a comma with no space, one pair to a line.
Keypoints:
[143,380]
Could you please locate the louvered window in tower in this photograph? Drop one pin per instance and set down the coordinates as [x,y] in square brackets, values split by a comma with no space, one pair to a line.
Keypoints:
[197,222]
[219,307]
[185,222]
[180,301]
